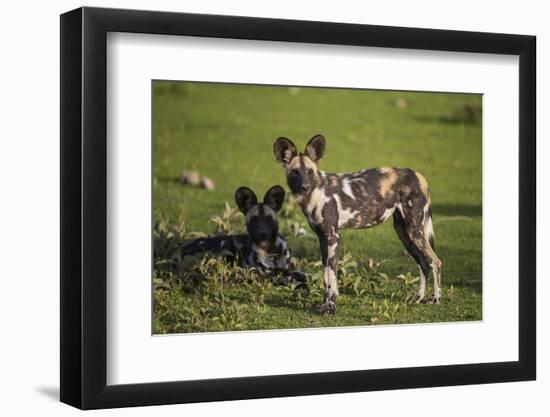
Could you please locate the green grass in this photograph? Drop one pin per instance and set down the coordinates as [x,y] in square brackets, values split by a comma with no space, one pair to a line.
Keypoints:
[226,132]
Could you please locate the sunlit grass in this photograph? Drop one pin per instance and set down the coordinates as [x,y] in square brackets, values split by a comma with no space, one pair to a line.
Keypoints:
[226,132]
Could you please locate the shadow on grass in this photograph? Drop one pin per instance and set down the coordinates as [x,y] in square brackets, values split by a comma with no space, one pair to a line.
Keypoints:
[466,273]
[286,300]
[473,284]
[174,180]
[457,210]
[466,114]
[448,120]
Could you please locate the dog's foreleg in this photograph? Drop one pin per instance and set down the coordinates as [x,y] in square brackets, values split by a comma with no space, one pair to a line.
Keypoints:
[329,246]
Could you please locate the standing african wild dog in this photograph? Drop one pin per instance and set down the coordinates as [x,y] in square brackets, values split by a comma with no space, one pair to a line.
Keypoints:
[360,200]
[263,248]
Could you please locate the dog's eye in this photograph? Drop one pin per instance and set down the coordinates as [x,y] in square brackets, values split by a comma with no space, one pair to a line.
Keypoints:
[309,172]
[294,173]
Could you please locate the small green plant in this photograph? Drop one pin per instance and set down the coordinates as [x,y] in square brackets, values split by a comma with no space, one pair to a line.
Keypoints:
[409,284]
[347,269]
[384,310]
[228,222]
[293,228]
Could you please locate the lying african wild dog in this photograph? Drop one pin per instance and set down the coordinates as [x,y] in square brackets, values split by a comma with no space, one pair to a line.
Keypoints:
[263,248]
[360,200]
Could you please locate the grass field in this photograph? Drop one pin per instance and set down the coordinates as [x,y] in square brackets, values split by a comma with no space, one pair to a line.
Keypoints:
[226,132]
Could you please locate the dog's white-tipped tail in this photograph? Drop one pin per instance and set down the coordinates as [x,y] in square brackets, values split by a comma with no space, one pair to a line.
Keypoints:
[429,229]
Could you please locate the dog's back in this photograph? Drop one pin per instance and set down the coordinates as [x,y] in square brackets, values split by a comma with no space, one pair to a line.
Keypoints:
[242,250]
[233,247]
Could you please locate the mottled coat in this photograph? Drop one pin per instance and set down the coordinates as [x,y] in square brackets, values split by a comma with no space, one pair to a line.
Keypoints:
[263,248]
[361,199]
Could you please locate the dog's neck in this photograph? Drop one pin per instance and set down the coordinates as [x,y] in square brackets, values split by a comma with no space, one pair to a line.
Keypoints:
[308,202]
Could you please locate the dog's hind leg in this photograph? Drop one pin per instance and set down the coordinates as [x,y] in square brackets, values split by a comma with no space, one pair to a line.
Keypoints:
[418,227]
[435,261]
[422,261]
[435,265]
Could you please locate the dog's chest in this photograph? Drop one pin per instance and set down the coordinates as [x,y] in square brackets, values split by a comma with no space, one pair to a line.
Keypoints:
[314,209]
[268,262]
[327,207]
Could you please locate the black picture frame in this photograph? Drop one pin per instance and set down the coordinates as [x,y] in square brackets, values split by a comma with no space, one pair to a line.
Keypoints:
[84,207]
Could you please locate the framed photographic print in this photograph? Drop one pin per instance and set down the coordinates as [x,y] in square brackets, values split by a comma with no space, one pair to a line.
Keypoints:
[258,207]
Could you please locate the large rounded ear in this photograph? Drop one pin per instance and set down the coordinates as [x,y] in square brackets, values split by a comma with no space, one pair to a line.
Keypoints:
[284,151]
[274,198]
[245,199]
[315,148]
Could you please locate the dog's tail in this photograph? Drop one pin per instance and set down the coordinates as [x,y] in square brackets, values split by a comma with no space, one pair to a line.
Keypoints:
[429,227]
